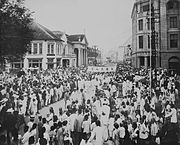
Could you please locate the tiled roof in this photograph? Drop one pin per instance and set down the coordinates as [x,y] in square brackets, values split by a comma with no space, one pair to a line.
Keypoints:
[42,33]
[76,38]
[58,34]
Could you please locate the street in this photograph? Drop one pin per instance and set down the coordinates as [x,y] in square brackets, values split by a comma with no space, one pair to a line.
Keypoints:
[45,110]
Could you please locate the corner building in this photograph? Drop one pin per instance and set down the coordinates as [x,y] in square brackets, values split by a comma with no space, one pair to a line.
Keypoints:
[167,33]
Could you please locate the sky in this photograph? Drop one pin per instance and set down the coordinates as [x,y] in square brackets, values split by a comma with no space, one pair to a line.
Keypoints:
[106,23]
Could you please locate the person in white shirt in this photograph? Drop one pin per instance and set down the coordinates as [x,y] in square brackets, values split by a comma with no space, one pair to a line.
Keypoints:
[111,126]
[143,132]
[86,126]
[72,119]
[47,127]
[97,135]
[105,118]
[26,136]
[121,133]
[173,115]
[154,129]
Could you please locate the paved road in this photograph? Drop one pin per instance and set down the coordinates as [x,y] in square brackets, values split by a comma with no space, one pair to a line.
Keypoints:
[44,111]
[60,104]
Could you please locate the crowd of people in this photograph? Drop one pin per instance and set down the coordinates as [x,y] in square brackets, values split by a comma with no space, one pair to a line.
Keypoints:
[120,108]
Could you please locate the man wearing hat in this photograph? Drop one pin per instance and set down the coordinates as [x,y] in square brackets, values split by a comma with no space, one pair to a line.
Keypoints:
[105,117]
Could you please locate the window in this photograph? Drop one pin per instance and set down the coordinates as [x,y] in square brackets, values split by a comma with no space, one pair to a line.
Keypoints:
[172,5]
[140,42]
[34,48]
[35,63]
[52,49]
[145,8]
[30,48]
[40,48]
[58,49]
[141,60]
[140,22]
[173,40]
[173,22]
[48,49]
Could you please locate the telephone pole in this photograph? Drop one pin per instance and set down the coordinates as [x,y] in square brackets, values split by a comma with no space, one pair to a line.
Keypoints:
[153,37]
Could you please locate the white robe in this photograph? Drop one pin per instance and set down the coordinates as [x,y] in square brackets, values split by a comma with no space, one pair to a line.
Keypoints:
[97,136]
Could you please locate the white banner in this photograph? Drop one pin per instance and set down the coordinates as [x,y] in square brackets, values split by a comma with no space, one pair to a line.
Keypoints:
[101,68]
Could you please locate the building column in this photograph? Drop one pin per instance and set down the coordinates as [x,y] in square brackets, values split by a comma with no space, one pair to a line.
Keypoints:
[84,57]
[26,63]
[74,62]
[44,63]
[79,57]
[145,61]
[55,60]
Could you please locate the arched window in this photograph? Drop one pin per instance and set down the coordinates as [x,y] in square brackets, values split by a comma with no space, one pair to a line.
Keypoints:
[172,4]
[174,64]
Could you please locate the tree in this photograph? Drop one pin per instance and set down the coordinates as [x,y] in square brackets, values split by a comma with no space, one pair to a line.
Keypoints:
[15,33]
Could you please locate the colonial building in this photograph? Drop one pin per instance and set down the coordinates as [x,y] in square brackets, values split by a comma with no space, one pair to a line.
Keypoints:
[79,44]
[51,49]
[167,33]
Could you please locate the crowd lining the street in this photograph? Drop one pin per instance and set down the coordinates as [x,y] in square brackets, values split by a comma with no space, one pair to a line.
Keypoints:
[99,108]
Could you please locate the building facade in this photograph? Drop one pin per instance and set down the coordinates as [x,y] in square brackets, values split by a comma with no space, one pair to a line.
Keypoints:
[79,44]
[167,33]
[51,50]
[127,54]
[94,56]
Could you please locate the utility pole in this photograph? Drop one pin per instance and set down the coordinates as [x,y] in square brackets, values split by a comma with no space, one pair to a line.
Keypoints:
[153,41]
[159,7]
[153,38]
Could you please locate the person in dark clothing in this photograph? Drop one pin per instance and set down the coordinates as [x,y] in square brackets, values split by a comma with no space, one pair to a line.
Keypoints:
[3,140]
[78,127]
[40,126]
[44,97]
[127,140]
